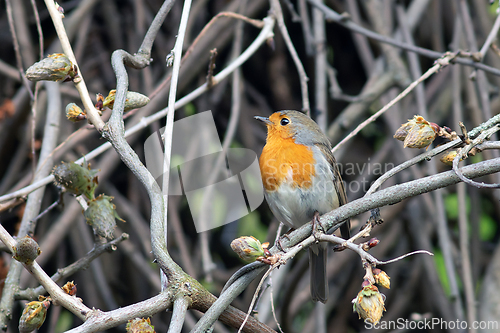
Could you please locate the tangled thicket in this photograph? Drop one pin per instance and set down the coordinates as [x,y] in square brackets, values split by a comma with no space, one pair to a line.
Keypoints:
[350,78]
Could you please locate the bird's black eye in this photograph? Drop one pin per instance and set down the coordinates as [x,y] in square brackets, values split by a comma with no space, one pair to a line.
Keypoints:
[284,121]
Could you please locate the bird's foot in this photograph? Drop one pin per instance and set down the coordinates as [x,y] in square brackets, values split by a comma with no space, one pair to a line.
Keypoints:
[317,229]
[280,246]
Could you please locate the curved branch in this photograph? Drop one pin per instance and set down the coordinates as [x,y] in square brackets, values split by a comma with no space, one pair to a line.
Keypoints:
[147,43]
[462,154]
[491,37]
[466,180]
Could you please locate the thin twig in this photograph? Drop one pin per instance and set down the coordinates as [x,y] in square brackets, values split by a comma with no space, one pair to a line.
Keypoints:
[19,61]
[440,63]
[481,81]
[467,180]
[255,295]
[461,188]
[48,209]
[33,125]
[278,13]
[37,84]
[293,12]
[465,254]
[404,256]
[169,127]
[336,90]
[306,27]
[320,70]
[211,67]
[345,22]
[462,154]
[486,145]
[208,264]
[273,310]
[92,113]
[491,37]
[364,50]
[38,28]
[257,23]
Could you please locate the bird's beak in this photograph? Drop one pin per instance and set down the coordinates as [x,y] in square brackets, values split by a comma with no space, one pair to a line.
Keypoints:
[264,120]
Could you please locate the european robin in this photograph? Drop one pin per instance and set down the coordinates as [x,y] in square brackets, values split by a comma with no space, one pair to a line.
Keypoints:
[301,180]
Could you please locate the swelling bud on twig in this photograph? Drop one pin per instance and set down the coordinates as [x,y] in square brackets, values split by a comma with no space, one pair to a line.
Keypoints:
[381,278]
[33,316]
[448,157]
[402,132]
[56,67]
[59,9]
[369,304]
[76,179]
[133,100]
[74,113]
[101,215]
[417,132]
[69,288]
[248,248]
[26,250]
[169,60]
[100,101]
[140,325]
[373,242]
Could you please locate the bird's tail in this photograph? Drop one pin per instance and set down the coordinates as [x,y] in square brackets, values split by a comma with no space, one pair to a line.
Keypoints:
[345,229]
[317,264]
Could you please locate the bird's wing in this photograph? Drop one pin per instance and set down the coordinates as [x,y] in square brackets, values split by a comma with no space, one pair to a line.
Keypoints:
[338,183]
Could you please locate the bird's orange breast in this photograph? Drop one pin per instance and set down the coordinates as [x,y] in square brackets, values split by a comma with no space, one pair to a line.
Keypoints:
[284,161]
